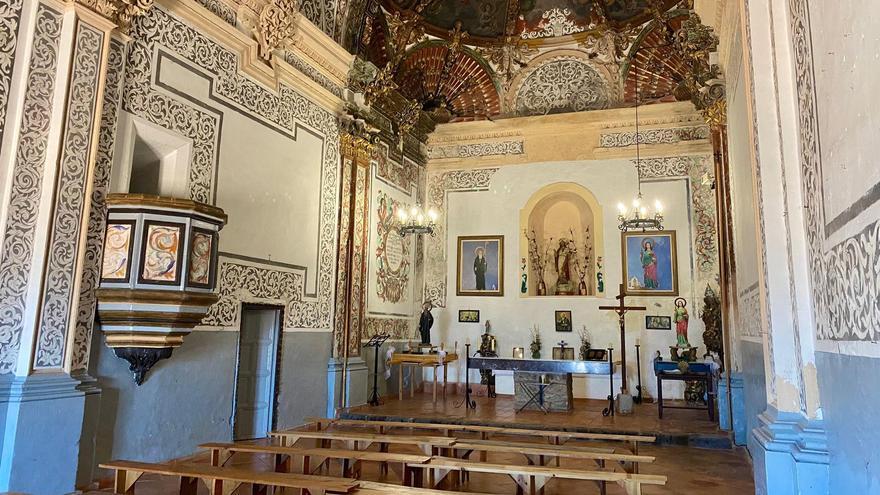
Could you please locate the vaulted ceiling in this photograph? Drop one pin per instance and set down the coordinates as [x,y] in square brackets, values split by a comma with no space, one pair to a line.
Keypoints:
[490,21]
[505,45]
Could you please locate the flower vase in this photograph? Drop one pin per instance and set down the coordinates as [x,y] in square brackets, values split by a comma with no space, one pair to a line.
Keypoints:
[582,288]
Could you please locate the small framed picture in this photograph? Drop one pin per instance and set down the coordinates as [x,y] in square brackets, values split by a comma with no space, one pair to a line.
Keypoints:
[566,353]
[563,321]
[468,315]
[658,322]
[596,355]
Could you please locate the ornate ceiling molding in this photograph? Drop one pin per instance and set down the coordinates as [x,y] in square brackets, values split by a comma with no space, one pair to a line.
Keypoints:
[311,46]
[563,80]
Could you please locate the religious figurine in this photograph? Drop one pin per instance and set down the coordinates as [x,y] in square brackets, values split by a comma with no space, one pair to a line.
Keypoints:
[563,267]
[711,317]
[488,349]
[488,342]
[480,268]
[524,278]
[681,322]
[426,321]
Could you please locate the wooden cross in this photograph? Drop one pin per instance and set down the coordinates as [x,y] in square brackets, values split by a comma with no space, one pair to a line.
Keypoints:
[621,310]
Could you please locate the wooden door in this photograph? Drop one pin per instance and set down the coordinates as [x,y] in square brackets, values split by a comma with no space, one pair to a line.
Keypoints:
[255,385]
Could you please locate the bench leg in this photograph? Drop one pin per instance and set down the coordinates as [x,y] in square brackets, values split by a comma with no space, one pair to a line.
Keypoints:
[189,486]
[632,487]
[125,480]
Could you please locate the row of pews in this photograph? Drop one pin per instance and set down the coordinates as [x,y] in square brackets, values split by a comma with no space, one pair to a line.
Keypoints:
[331,455]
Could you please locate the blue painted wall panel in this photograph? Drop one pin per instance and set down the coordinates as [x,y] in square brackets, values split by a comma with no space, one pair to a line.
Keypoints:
[188,399]
[754,389]
[850,401]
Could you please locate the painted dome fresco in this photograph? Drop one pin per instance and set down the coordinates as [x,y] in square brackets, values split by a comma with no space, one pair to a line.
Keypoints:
[488,20]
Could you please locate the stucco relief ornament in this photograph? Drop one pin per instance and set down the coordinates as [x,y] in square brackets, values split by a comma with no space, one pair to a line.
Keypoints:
[607,46]
[508,58]
[276,25]
[555,22]
[122,12]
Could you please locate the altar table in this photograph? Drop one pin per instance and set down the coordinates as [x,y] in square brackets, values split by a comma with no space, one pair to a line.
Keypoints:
[528,372]
[403,359]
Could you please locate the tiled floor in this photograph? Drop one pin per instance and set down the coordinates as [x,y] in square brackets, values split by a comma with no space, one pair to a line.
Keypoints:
[586,414]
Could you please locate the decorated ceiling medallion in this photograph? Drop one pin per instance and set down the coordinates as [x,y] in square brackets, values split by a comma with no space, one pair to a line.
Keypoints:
[158,275]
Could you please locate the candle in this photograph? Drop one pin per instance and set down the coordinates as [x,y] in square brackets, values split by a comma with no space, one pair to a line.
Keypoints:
[638,341]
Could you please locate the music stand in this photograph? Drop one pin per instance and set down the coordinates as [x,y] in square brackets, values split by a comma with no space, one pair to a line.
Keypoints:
[376,341]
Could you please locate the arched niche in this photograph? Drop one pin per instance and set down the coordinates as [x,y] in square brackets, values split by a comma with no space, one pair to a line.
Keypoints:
[564,210]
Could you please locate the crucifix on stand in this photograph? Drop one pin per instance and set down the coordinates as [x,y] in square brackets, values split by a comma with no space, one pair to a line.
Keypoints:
[621,310]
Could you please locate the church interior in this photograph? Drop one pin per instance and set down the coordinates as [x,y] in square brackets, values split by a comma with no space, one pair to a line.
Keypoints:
[423,247]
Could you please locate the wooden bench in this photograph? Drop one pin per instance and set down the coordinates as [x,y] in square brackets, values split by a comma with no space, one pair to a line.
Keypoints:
[536,454]
[533,478]
[554,437]
[220,480]
[358,441]
[350,460]
[375,488]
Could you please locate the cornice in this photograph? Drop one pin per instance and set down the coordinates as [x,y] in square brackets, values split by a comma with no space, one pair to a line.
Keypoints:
[660,114]
[563,137]
[316,50]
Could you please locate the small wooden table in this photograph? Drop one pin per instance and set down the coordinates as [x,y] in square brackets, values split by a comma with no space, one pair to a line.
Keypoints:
[422,361]
[696,376]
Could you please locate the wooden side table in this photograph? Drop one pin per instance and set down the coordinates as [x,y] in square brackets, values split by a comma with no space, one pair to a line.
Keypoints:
[696,376]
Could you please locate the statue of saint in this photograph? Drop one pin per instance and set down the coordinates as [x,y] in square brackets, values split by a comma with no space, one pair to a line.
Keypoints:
[681,323]
[488,349]
[426,321]
[563,258]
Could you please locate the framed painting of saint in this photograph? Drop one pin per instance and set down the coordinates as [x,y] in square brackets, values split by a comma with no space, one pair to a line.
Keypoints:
[650,263]
[480,269]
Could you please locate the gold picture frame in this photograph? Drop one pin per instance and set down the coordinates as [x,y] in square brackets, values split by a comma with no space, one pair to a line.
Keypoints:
[480,278]
[639,276]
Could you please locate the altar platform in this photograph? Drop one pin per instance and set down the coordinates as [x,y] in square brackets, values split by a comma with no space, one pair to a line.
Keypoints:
[684,427]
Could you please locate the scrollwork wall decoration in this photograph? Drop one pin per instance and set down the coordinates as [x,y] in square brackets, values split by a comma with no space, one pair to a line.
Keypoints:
[10,18]
[67,218]
[98,211]
[277,23]
[392,272]
[240,282]
[285,109]
[26,183]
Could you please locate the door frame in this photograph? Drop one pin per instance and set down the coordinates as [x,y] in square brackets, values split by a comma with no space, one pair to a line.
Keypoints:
[273,406]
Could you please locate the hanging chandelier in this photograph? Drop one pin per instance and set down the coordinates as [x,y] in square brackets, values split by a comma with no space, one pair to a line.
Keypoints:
[639,216]
[416,221]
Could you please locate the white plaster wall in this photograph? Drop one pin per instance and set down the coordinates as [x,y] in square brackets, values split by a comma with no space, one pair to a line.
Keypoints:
[845,41]
[497,211]
[743,214]
[267,182]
